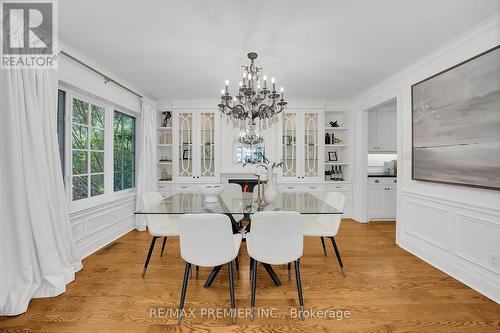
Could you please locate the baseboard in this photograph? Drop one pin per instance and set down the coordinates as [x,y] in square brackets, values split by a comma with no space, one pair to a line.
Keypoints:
[462,271]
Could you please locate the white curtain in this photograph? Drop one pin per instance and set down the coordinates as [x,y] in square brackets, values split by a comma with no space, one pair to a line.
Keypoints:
[147,163]
[38,257]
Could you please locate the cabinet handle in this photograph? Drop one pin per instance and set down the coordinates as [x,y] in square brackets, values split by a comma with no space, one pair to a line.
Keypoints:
[338,186]
[395,180]
[290,187]
[184,187]
[312,188]
[377,181]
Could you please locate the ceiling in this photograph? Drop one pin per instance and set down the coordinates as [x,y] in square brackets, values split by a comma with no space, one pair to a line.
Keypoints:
[332,49]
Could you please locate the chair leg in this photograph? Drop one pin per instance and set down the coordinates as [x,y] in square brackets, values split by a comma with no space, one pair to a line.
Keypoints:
[289,266]
[151,247]
[231,292]
[299,288]
[237,262]
[187,269]
[254,286]
[323,243]
[338,255]
[163,246]
[197,271]
[251,267]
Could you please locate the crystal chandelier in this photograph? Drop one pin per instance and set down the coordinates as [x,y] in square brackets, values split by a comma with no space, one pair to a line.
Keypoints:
[255,107]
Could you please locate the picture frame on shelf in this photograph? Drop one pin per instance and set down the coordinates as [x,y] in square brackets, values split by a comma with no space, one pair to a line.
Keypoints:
[332,156]
[186,154]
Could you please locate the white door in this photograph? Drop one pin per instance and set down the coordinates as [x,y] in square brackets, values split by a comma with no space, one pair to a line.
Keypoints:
[289,148]
[312,154]
[376,192]
[372,131]
[183,150]
[386,130]
[390,202]
[207,131]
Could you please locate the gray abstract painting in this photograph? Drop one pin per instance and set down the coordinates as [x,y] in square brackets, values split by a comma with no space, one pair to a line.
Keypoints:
[456,124]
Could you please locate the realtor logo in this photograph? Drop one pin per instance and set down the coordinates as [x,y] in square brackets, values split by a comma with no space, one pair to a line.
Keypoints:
[28,34]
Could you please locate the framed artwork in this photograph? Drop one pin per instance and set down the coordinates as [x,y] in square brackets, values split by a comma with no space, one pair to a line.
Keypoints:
[186,154]
[456,124]
[332,156]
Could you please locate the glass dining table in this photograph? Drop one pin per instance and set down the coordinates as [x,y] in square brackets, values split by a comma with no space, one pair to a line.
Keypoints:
[232,204]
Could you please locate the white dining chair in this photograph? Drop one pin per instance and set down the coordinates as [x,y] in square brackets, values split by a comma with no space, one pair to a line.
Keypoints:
[234,190]
[207,240]
[327,225]
[159,225]
[276,238]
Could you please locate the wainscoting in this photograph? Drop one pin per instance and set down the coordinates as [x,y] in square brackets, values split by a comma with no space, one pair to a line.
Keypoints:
[96,227]
[461,240]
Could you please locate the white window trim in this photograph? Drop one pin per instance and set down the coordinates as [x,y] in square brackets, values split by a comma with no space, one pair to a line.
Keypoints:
[109,194]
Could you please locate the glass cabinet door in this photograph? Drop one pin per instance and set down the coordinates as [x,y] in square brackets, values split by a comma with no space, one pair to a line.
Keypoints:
[185,145]
[206,143]
[289,144]
[311,145]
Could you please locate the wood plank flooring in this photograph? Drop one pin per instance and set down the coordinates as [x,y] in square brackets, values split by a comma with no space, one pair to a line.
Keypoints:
[386,289]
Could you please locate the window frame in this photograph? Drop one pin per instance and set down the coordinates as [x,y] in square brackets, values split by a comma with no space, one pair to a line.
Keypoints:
[109,193]
[134,149]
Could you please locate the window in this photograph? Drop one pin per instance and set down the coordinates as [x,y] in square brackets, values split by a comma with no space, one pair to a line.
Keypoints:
[87,149]
[61,115]
[124,151]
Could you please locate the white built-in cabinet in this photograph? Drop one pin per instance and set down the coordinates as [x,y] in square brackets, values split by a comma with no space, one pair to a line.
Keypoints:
[300,145]
[382,198]
[382,136]
[196,146]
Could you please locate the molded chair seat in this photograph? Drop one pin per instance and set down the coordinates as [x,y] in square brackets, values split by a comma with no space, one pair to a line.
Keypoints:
[276,238]
[327,225]
[315,227]
[207,240]
[158,225]
[163,226]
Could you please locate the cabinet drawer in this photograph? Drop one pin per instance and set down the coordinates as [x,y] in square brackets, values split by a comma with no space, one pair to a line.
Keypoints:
[339,187]
[164,189]
[382,181]
[318,190]
[290,188]
[184,188]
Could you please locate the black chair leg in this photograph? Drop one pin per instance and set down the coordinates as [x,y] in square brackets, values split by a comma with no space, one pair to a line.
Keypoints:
[197,271]
[251,266]
[323,243]
[299,288]
[254,286]
[163,246]
[338,255]
[237,262]
[231,292]
[187,269]
[151,247]
[289,264]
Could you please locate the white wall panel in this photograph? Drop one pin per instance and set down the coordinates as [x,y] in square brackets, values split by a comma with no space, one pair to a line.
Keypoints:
[427,222]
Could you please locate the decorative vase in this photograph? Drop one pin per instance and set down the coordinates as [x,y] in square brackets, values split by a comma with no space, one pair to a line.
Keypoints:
[271,191]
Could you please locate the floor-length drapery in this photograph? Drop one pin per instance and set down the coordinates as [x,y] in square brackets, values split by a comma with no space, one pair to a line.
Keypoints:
[38,257]
[147,163]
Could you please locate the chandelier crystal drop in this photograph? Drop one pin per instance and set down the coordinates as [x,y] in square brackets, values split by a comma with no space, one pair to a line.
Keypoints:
[255,107]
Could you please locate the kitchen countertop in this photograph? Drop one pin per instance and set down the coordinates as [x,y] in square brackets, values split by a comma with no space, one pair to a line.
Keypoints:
[381,175]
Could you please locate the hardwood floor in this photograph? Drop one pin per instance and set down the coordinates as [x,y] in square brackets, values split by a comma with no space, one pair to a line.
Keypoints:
[386,289]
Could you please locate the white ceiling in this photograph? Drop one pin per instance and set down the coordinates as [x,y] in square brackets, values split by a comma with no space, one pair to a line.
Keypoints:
[317,49]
